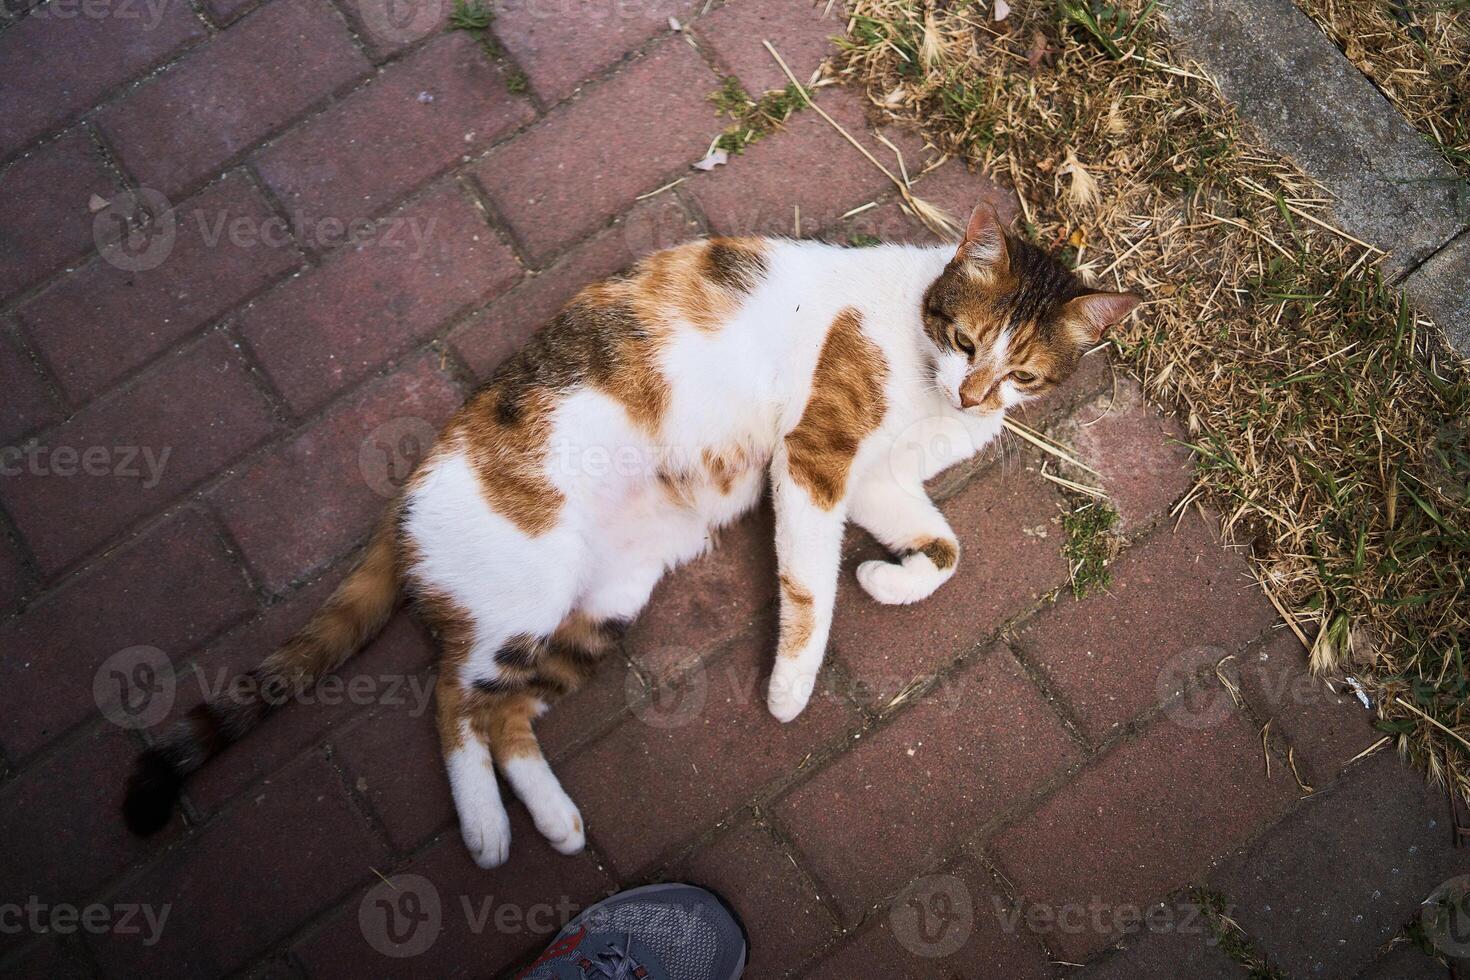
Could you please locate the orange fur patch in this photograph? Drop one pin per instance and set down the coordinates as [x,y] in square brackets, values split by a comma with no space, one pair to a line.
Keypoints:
[845,406]
[797,619]
[609,337]
[941,551]
[509,455]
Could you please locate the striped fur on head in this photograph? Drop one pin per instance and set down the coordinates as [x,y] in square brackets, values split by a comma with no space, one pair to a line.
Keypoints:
[1000,293]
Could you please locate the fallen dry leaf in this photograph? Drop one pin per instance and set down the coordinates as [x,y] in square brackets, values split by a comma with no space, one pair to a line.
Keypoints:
[712,160]
[1040,50]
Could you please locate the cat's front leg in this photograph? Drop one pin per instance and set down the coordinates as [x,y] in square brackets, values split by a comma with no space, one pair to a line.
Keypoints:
[906,521]
[809,526]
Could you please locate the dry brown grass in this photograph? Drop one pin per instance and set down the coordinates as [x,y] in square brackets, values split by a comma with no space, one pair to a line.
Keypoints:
[1418,54]
[1330,424]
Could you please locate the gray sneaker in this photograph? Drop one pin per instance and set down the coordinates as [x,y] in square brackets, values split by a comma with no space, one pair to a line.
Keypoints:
[657,932]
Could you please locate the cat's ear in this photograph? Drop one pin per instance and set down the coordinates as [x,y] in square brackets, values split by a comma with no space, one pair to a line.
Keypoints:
[984,243]
[1092,313]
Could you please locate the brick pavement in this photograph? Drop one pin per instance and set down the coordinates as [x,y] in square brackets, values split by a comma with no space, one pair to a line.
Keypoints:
[367,213]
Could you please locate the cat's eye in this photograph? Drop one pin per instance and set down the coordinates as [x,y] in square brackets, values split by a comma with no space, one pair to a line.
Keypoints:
[1023,377]
[964,344]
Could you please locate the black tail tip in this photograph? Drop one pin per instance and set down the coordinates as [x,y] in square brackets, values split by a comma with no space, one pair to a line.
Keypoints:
[153,792]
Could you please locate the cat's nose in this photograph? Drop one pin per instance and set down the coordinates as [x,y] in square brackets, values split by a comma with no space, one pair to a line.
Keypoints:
[968,400]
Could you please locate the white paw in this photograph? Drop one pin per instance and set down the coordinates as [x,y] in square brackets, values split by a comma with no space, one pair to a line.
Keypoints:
[487,835]
[893,584]
[560,823]
[790,690]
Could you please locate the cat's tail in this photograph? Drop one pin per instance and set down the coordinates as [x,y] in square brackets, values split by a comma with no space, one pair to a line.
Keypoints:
[352,616]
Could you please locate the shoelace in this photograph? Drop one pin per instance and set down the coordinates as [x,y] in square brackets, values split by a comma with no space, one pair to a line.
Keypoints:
[612,963]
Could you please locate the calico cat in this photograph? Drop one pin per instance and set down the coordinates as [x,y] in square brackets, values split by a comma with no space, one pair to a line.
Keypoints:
[650,412]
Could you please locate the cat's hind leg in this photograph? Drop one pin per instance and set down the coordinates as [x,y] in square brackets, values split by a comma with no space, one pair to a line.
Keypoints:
[906,521]
[562,664]
[483,821]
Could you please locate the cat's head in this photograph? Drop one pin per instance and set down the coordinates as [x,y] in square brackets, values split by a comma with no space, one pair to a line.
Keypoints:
[1007,321]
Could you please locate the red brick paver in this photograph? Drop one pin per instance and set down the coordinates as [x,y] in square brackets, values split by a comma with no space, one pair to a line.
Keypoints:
[224,250]
[411,123]
[346,462]
[801,32]
[952,923]
[1132,827]
[562,43]
[587,161]
[750,869]
[915,790]
[677,751]
[487,921]
[44,218]
[1121,650]
[93,55]
[418,268]
[128,457]
[29,402]
[363,213]
[174,130]
[273,879]
[54,648]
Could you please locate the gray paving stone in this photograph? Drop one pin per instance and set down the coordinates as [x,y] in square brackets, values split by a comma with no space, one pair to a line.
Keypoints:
[1441,288]
[1393,188]
[1325,888]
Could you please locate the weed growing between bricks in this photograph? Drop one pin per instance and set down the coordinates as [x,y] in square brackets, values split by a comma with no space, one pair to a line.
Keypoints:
[1230,937]
[1328,418]
[1090,545]
[474,17]
[754,118]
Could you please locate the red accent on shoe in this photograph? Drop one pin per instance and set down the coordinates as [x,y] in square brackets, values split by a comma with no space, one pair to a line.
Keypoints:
[557,949]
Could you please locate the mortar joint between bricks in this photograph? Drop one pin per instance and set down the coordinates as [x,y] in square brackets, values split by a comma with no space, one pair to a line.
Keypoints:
[278,209]
[357,801]
[495,223]
[362,46]
[205,21]
[793,853]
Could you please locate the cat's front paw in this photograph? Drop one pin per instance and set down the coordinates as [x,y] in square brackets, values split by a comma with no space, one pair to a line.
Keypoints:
[790,690]
[560,823]
[893,584]
[487,835]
